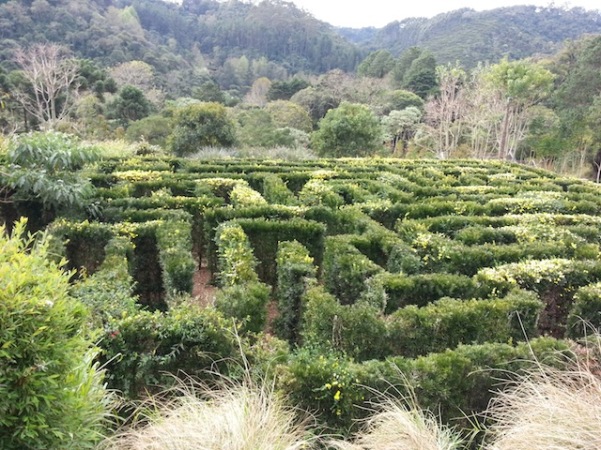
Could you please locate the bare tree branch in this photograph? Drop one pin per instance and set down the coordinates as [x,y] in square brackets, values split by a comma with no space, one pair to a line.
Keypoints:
[51,77]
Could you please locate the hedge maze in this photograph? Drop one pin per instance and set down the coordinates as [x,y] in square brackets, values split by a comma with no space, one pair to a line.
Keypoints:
[375,272]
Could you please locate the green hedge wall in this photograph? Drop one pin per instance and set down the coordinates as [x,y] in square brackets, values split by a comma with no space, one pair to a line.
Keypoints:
[295,273]
[265,236]
[454,384]
[346,269]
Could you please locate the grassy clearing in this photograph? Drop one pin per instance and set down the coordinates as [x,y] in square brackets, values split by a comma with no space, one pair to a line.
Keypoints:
[258,153]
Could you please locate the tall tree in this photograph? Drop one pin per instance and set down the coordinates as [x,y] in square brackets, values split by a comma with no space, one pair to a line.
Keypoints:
[349,130]
[50,87]
[201,124]
[444,111]
[400,126]
[377,64]
[520,85]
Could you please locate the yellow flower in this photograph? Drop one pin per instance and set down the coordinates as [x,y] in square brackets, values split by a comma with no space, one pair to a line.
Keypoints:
[337,396]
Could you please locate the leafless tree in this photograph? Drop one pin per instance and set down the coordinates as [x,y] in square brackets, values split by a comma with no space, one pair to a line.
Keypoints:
[51,88]
[444,112]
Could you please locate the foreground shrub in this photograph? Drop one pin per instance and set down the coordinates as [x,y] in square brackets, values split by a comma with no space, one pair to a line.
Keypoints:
[52,392]
[455,383]
[549,409]
[142,350]
[234,417]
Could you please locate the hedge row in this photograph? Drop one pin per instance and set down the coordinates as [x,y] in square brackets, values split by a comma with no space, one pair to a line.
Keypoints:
[554,280]
[142,352]
[346,269]
[160,262]
[265,236]
[362,332]
[454,384]
[295,273]
[242,296]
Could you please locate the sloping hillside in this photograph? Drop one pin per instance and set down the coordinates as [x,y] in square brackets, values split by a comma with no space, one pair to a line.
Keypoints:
[469,36]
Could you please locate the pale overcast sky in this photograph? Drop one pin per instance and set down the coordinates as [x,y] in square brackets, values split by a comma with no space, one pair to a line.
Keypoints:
[377,13]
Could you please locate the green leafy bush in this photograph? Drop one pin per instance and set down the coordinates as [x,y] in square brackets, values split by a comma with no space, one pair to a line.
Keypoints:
[247,303]
[345,270]
[584,317]
[142,352]
[53,394]
[349,130]
[45,167]
[198,125]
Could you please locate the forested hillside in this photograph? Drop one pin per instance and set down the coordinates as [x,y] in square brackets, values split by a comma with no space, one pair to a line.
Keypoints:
[144,70]
[470,36]
[231,40]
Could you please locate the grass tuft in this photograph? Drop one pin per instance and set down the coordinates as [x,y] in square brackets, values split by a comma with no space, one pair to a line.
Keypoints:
[235,417]
[550,409]
[396,426]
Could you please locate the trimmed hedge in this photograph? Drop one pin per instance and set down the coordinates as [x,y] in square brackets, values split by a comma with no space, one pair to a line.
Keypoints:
[397,291]
[265,236]
[213,217]
[295,272]
[142,352]
[109,292]
[246,303]
[276,192]
[584,317]
[555,281]
[448,322]
[356,330]
[236,260]
[346,269]
[455,383]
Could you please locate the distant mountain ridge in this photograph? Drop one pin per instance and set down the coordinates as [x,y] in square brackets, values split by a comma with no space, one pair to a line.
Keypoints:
[470,36]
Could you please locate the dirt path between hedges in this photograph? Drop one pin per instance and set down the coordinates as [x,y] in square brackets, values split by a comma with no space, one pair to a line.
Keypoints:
[203,290]
[204,293]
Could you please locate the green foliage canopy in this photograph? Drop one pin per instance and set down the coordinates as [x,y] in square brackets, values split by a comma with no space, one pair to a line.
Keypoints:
[44,166]
[202,124]
[349,130]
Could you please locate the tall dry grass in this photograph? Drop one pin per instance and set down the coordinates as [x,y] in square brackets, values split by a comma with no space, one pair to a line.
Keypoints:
[399,424]
[248,416]
[550,408]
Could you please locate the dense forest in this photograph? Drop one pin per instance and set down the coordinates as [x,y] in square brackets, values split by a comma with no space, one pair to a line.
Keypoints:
[471,37]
